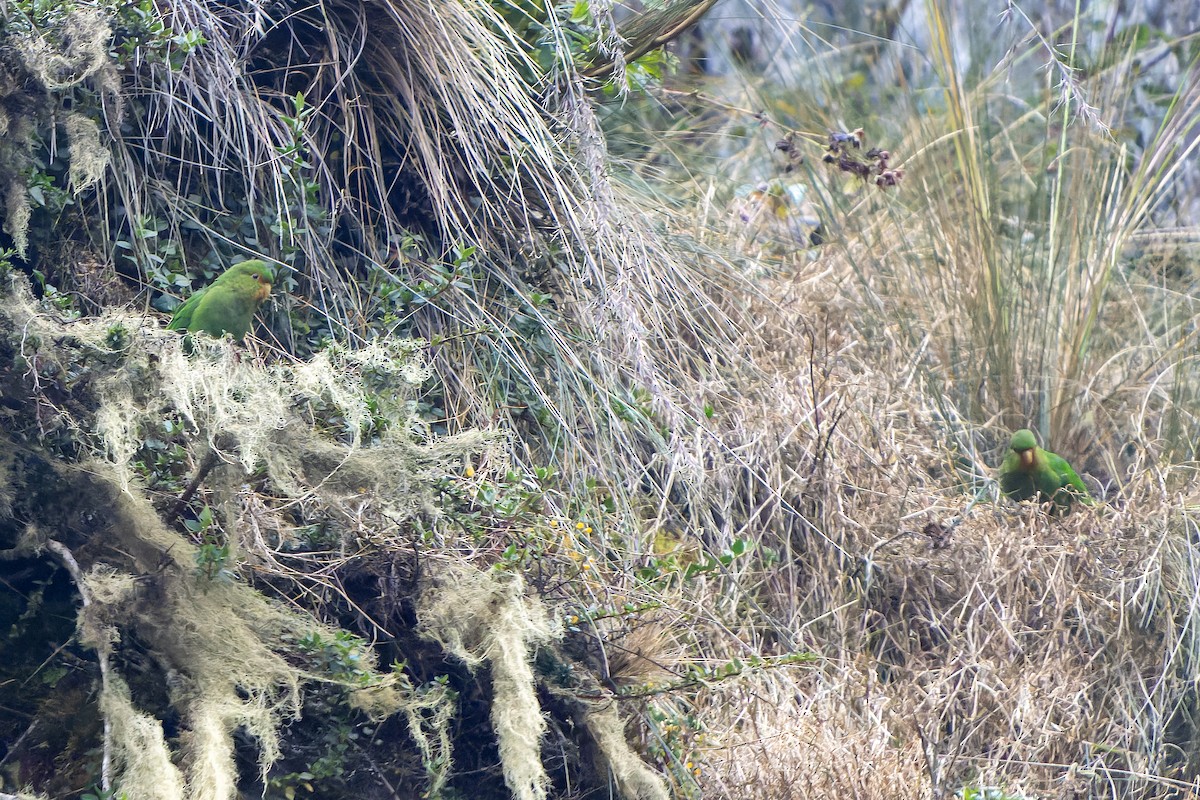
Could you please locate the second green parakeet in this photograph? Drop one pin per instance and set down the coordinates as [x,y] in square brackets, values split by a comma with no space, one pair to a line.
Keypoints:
[228,304]
[1030,471]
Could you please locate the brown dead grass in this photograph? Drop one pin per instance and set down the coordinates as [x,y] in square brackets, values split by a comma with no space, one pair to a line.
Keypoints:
[1047,656]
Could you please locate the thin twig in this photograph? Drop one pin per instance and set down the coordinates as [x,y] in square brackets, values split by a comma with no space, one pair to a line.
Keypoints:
[85,595]
[206,466]
[15,746]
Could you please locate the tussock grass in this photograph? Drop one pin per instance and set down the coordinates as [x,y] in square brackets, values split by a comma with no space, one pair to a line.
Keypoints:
[1040,655]
[1008,258]
[797,739]
[423,122]
[838,412]
[1005,283]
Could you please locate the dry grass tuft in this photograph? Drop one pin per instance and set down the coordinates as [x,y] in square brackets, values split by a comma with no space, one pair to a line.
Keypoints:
[962,642]
[837,413]
[960,645]
[814,739]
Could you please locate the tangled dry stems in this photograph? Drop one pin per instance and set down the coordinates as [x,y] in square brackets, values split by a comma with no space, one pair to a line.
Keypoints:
[1000,646]
[1028,651]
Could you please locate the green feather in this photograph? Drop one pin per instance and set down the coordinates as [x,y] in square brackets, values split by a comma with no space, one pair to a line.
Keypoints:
[229,303]
[1029,471]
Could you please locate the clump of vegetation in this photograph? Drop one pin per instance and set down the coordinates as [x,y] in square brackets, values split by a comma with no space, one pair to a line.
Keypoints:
[657,466]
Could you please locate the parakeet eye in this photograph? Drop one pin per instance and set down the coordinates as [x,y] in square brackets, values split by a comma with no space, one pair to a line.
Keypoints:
[255,276]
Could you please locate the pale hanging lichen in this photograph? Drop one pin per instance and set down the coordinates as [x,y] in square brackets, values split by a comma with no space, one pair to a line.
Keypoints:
[229,653]
[142,756]
[70,53]
[484,617]
[635,780]
[88,157]
[17,214]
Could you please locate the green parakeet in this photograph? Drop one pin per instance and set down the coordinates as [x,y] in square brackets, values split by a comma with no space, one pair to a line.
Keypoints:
[1028,470]
[228,304]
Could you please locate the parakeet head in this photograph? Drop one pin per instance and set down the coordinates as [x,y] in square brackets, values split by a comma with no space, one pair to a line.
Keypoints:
[259,271]
[1024,444]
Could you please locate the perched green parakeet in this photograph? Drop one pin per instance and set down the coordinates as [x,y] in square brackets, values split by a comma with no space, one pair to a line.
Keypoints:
[228,304]
[1029,470]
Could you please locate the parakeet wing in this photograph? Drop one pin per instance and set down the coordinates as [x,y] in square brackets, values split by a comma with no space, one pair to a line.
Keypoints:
[1068,478]
[227,307]
[182,319]
[229,303]
[1045,477]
